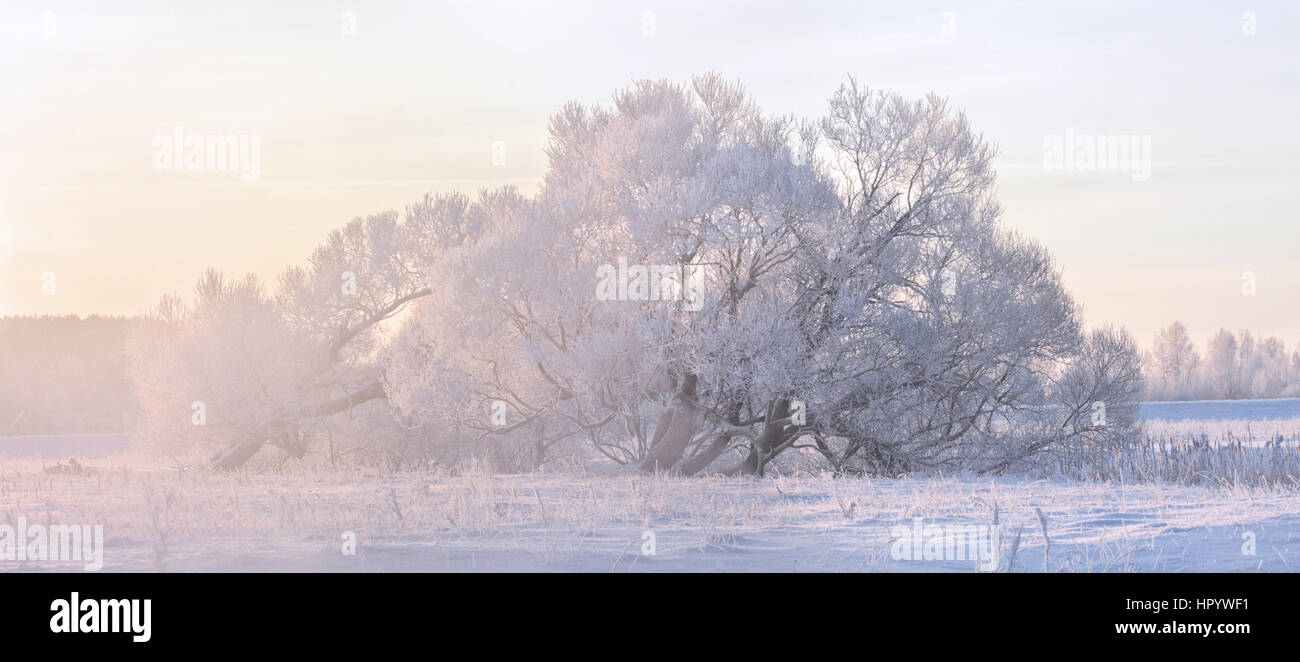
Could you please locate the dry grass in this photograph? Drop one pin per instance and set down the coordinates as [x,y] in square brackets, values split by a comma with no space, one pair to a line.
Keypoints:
[1221,453]
[162,519]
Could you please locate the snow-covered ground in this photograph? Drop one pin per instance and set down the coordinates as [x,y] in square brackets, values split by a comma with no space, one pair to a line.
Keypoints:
[63,446]
[159,519]
[1211,410]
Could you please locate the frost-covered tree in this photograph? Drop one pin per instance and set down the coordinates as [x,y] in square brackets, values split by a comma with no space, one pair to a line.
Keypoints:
[1175,362]
[850,290]
[696,287]
[1221,364]
[240,367]
[1237,366]
[1273,374]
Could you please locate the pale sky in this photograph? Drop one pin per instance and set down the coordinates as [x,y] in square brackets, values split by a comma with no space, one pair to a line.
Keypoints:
[357,113]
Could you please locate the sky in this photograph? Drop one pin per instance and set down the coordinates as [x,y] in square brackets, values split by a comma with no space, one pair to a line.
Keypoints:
[360,108]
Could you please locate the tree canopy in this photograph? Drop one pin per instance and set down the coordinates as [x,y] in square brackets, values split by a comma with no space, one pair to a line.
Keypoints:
[695,287]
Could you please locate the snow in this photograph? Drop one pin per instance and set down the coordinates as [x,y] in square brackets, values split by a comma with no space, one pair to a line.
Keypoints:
[57,446]
[156,517]
[535,522]
[1208,410]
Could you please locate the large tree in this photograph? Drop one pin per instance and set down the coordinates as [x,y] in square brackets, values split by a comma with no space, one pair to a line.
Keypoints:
[849,289]
[697,286]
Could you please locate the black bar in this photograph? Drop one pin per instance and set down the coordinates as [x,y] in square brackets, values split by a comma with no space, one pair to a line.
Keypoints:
[240,612]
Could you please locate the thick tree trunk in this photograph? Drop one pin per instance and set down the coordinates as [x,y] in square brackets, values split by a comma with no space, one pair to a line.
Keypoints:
[764,448]
[235,456]
[676,428]
[714,449]
[701,460]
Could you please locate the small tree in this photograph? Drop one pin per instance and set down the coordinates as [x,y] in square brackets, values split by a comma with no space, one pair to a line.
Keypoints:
[1221,359]
[239,367]
[1174,362]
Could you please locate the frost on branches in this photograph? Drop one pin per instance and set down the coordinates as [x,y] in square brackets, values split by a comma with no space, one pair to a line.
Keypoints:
[696,287]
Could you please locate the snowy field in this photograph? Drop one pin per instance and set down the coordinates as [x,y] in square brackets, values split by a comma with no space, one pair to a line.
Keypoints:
[161,520]
[1224,422]
[63,446]
[1210,410]
[157,518]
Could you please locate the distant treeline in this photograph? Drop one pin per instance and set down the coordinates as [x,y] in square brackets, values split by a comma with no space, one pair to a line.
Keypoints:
[64,374]
[1232,367]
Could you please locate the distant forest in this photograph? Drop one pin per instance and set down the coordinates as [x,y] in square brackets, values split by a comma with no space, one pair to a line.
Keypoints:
[1232,367]
[64,374]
